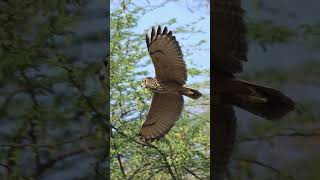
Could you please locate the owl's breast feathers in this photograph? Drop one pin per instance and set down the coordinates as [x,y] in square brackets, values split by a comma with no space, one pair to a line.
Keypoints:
[164,87]
[153,85]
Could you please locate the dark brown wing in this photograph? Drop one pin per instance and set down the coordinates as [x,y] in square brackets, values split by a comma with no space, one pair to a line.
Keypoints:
[230,48]
[260,100]
[229,36]
[223,134]
[166,56]
[165,110]
[276,106]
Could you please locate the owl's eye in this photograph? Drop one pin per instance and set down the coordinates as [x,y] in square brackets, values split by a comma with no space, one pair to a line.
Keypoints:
[143,83]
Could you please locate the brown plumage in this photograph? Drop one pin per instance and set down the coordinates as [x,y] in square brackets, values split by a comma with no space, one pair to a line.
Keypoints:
[224,133]
[259,100]
[230,52]
[171,75]
[229,42]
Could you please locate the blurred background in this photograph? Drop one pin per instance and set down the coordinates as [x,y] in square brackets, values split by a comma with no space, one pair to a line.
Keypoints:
[284,54]
[52,105]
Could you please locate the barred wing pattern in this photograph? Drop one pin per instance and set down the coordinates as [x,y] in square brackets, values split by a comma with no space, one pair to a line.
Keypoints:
[165,110]
[166,56]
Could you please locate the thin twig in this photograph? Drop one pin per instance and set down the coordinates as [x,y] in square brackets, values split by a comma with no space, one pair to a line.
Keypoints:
[46,145]
[265,166]
[294,134]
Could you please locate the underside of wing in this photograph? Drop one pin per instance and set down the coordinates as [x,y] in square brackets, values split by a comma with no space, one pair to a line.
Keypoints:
[166,56]
[223,133]
[165,110]
[229,36]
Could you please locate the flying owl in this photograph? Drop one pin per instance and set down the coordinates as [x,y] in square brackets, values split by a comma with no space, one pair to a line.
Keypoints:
[168,85]
[229,54]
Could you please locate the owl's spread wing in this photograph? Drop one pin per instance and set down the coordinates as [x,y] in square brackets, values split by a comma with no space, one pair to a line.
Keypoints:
[223,133]
[259,100]
[166,56]
[276,106]
[165,110]
[229,36]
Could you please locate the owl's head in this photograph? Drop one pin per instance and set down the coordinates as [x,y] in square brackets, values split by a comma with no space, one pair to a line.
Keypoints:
[147,82]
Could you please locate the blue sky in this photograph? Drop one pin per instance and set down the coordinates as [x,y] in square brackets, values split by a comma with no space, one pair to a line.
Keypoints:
[183,16]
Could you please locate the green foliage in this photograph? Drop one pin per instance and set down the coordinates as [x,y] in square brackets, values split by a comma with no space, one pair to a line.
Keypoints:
[299,130]
[267,32]
[184,151]
[304,73]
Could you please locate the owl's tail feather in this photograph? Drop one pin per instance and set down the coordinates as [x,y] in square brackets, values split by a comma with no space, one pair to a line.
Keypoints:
[191,93]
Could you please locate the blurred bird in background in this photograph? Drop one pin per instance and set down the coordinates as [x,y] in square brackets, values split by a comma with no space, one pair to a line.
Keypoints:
[229,54]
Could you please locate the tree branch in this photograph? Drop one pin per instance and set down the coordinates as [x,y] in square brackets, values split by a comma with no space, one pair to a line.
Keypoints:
[293,134]
[46,145]
[137,170]
[192,173]
[119,159]
[51,162]
[168,167]
[265,166]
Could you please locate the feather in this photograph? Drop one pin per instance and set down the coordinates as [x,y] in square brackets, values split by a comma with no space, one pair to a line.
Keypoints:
[165,30]
[153,32]
[159,30]
[147,40]
[167,56]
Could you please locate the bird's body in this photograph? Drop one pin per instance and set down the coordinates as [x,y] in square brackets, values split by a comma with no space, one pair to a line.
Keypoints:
[168,85]
[169,88]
